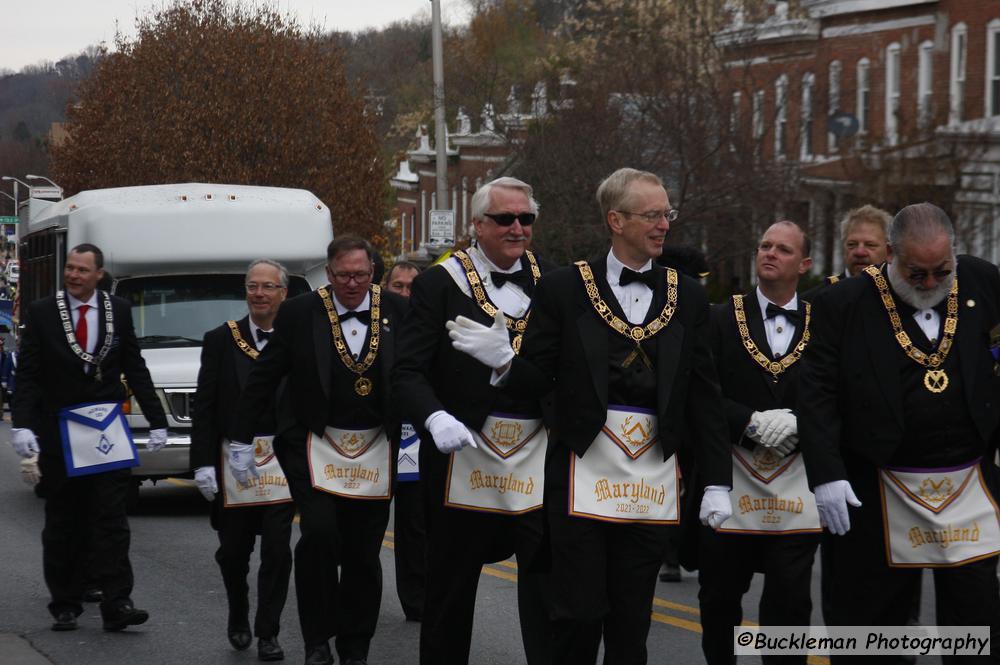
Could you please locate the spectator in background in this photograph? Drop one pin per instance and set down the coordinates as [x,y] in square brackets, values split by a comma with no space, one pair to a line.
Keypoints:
[400,277]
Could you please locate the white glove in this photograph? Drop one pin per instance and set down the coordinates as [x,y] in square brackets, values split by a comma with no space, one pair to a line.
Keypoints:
[715,506]
[24,442]
[448,433]
[242,462]
[204,476]
[157,440]
[788,445]
[831,501]
[490,346]
[781,426]
[29,470]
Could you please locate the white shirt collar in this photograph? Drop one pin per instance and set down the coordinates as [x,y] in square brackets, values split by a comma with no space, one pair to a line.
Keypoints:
[362,307]
[483,264]
[74,303]
[254,328]
[791,305]
[615,268]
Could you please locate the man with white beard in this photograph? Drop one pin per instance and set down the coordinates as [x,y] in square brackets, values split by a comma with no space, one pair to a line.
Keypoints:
[898,425]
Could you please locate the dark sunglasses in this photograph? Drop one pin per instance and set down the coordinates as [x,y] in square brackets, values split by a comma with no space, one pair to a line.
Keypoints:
[507,218]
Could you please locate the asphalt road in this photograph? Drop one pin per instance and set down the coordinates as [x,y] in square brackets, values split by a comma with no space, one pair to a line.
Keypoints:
[178,582]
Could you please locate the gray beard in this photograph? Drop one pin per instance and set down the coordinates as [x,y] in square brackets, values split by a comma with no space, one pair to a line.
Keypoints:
[915,297]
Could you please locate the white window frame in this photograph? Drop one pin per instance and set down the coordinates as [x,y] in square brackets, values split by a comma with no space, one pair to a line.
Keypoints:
[758,114]
[925,84]
[806,117]
[834,73]
[991,102]
[780,116]
[734,120]
[959,47]
[893,91]
[863,95]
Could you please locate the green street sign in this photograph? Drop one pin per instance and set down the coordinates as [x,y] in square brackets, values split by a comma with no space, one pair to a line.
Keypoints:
[8,219]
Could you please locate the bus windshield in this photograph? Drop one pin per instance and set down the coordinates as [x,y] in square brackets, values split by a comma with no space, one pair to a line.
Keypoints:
[177,310]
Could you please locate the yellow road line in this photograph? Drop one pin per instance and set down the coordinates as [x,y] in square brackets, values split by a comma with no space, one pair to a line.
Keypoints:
[694,627]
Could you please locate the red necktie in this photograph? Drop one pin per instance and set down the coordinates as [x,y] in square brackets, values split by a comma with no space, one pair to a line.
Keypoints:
[81,326]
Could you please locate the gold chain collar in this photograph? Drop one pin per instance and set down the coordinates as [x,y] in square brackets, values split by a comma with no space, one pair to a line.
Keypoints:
[775,367]
[935,379]
[515,325]
[363,385]
[242,343]
[635,333]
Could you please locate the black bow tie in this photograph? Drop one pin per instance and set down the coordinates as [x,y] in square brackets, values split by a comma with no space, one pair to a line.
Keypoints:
[628,276]
[364,316]
[263,334]
[519,277]
[791,314]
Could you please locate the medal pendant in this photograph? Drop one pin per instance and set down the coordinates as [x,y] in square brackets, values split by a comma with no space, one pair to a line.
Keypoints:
[935,380]
[363,386]
[516,343]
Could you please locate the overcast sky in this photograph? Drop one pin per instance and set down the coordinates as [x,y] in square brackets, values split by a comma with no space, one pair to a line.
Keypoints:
[39,30]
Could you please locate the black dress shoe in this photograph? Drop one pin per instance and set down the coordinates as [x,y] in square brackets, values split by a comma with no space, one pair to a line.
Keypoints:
[123,617]
[319,655]
[269,649]
[64,621]
[93,596]
[240,638]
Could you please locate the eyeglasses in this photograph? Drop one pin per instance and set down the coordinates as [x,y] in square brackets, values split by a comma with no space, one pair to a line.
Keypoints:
[266,287]
[654,215]
[508,218]
[920,276]
[346,277]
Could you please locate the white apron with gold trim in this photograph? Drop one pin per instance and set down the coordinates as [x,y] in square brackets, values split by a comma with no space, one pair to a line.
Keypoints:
[355,463]
[938,517]
[622,477]
[506,473]
[770,494]
[270,486]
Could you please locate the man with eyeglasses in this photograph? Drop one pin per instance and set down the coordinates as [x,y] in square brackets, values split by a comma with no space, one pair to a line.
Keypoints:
[263,505]
[336,438]
[898,425]
[623,343]
[482,456]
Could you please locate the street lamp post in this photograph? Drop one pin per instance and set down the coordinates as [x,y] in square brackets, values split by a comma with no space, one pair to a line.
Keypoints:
[16,183]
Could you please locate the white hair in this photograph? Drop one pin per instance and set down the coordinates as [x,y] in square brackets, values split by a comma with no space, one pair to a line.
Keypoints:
[481,199]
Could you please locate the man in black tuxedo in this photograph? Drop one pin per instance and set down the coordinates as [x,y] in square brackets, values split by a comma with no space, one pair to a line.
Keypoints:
[335,441]
[448,396]
[624,345]
[75,348]
[898,419]
[757,342]
[239,513]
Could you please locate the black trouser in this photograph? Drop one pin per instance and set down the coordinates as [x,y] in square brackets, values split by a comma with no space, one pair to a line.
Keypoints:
[238,529]
[410,548]
[867,592]
[459,542]
[335,532]
[86,538]
[727,563]
[603,578]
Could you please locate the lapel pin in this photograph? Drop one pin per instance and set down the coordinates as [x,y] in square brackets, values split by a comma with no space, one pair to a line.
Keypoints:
[385,322]
[970,303]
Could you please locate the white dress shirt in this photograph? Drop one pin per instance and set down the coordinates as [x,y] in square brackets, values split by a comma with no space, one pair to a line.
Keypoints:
[354,330]
[510,297]
[780,330]
[930,323]
[260,343]
[635,298]
[92,330]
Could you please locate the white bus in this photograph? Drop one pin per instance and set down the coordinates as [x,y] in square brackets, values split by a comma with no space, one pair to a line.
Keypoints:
[179,254]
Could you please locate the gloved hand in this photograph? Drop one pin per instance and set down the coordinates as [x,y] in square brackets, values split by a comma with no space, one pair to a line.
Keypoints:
[30,473]
[24,442]
[490,346]
[781,426]
[761,421]
[157,440]
[788,445]
[831,501]
[204,477]
[448,433]
[241,462]
[715,506]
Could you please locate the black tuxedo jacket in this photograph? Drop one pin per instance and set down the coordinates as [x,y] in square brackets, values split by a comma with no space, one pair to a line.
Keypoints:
[51,377]
[850,387]
[565,349]
[746,386]
[301,349]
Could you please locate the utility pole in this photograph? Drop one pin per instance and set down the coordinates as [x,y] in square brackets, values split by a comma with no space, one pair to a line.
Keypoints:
[440,132]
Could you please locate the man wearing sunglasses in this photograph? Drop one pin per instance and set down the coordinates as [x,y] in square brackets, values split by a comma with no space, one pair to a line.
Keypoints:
[483,452]
[336,438]
[623,343]
[898,426]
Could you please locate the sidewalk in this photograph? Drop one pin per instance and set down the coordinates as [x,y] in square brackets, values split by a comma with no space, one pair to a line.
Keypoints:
[18,651]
